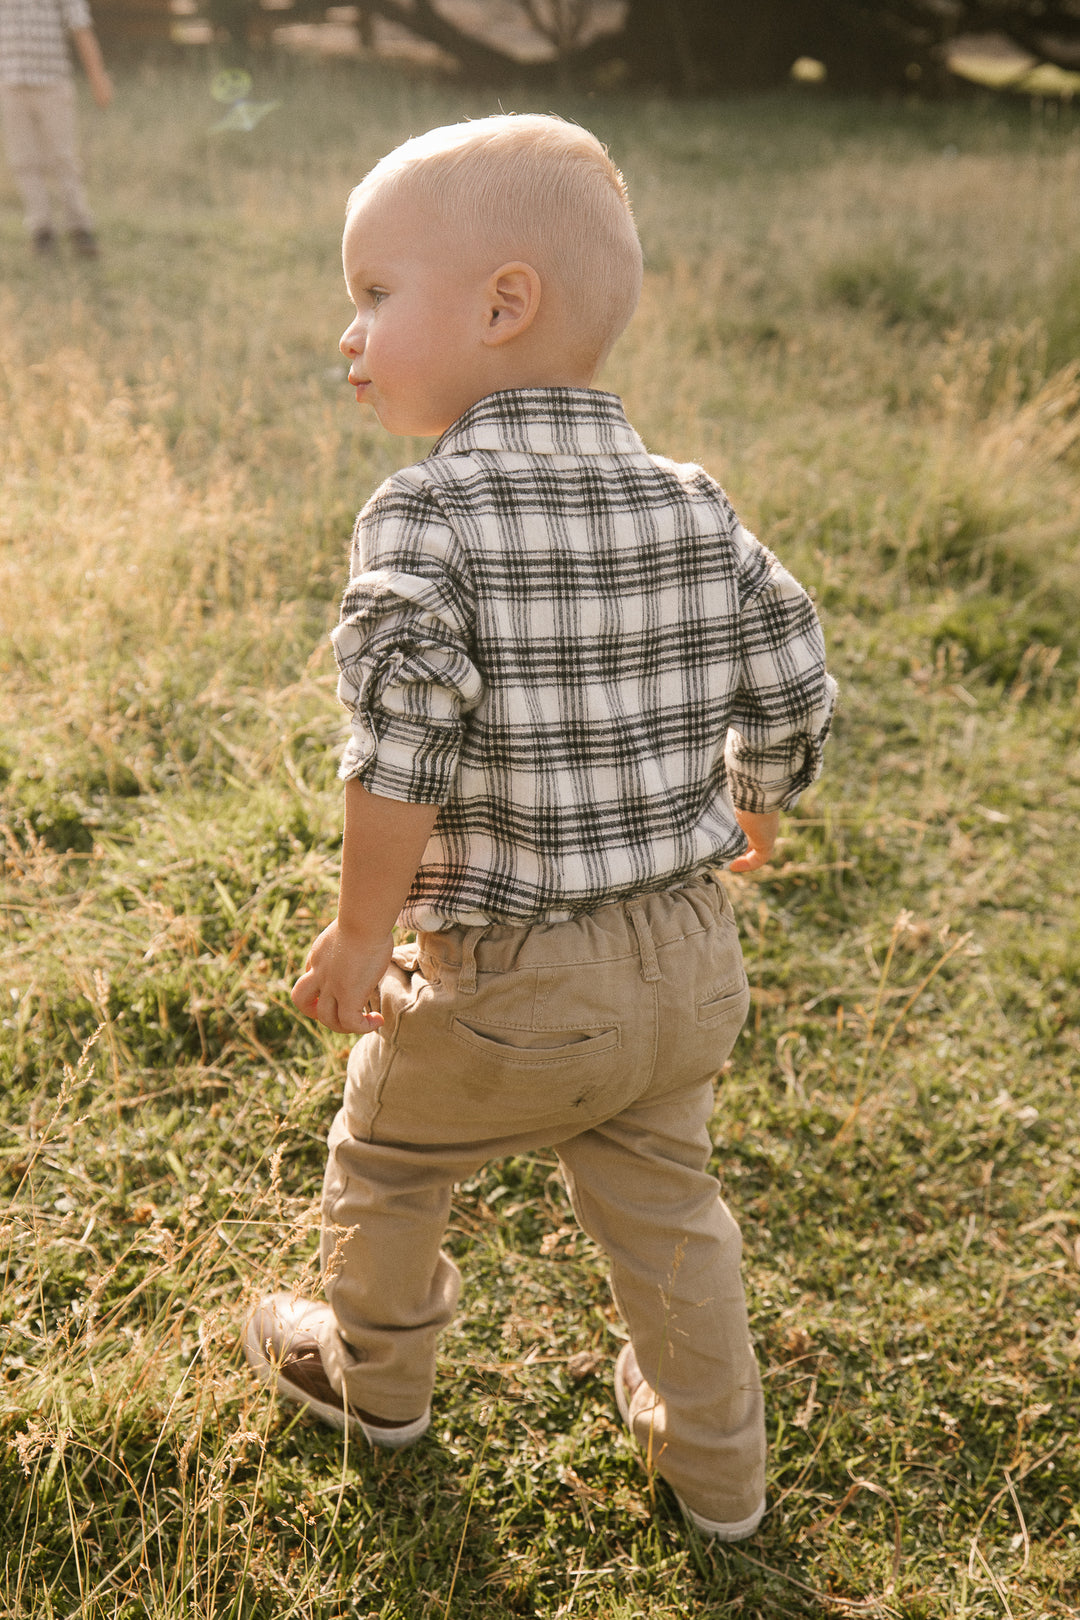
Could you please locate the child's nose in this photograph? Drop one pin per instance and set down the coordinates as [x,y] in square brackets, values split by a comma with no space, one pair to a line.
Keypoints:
[352,341]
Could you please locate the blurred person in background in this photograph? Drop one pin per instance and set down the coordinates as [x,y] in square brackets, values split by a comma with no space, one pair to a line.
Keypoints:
[37,109]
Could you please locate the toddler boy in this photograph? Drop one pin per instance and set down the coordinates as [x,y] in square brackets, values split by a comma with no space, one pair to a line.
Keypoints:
[577,687]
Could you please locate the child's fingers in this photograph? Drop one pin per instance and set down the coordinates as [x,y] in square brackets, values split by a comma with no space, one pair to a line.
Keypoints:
[349,1023]
[750,861]
[352,1020]
[305,994]
[367,1025]
[324,1007]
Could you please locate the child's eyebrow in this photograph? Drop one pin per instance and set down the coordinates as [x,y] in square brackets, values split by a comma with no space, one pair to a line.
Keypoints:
[360,273]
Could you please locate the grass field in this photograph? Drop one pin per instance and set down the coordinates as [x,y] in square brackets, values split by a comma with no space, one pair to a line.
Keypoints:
[866,322]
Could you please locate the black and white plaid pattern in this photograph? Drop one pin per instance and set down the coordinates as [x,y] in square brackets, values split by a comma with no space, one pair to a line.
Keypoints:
[578,652]
[34,39]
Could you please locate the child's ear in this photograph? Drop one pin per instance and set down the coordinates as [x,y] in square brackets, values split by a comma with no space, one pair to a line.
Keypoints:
[512,299]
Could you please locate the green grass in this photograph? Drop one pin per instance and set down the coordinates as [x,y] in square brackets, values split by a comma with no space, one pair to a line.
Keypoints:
[863,320]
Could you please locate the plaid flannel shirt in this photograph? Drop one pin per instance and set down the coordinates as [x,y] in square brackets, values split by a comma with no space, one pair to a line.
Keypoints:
[576,650]
[34,39]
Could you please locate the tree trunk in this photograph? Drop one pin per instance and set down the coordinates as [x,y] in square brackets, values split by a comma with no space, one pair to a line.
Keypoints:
[748,45]
[870,47]
[705,45]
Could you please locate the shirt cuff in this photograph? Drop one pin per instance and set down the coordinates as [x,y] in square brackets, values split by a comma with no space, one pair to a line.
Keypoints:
[398,759]
[763,790]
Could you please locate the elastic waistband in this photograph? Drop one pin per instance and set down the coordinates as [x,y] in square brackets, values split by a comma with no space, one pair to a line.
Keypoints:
[640,926]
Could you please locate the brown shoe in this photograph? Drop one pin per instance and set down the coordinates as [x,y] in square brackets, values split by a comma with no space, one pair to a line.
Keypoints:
[44,240]
[281,1342]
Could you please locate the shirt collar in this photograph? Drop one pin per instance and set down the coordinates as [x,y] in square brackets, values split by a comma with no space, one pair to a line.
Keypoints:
[544,422]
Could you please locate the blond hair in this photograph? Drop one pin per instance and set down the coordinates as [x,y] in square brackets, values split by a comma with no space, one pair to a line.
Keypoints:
[534,187]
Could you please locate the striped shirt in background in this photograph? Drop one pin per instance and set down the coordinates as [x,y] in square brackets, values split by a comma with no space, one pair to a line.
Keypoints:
[578,652]
[34,39]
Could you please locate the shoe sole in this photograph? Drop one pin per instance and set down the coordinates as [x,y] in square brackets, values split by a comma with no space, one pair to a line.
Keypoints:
[715,1529]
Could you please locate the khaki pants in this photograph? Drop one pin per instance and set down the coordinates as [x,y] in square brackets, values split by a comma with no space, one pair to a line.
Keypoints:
[41,139]
[598,1037]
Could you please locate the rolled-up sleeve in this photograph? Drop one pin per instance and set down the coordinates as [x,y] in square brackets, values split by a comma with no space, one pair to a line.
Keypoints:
[784,705]
[406,672]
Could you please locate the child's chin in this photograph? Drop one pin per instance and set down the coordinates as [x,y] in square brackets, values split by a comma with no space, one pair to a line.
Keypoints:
[407,427]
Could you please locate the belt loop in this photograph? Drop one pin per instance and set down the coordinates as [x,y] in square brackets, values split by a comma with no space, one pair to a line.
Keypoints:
[467,976]
[650,967]
[726,908]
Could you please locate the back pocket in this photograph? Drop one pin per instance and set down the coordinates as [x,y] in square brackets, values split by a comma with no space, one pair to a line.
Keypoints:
[533,1048]
[729,1000]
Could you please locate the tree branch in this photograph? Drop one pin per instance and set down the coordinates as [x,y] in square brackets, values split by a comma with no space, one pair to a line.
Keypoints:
[479,59]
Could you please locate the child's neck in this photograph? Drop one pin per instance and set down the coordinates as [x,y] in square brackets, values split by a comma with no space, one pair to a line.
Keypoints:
[539,375]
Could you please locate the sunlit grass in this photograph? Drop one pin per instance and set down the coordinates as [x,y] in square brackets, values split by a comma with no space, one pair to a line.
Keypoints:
[864,321]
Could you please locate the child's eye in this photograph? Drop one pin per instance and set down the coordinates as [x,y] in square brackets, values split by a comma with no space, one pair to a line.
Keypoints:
[376,296]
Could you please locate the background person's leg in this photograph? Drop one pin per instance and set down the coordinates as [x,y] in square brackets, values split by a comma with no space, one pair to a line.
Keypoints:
[26,154]
[60,129]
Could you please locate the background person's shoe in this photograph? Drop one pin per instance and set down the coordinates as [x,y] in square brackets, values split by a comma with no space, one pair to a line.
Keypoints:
[628,1380]
[281,1342]
[44,240]
[85,244]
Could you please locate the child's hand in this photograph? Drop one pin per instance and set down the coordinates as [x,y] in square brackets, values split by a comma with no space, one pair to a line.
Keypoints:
[761,831]
[101,88]
[342,974]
